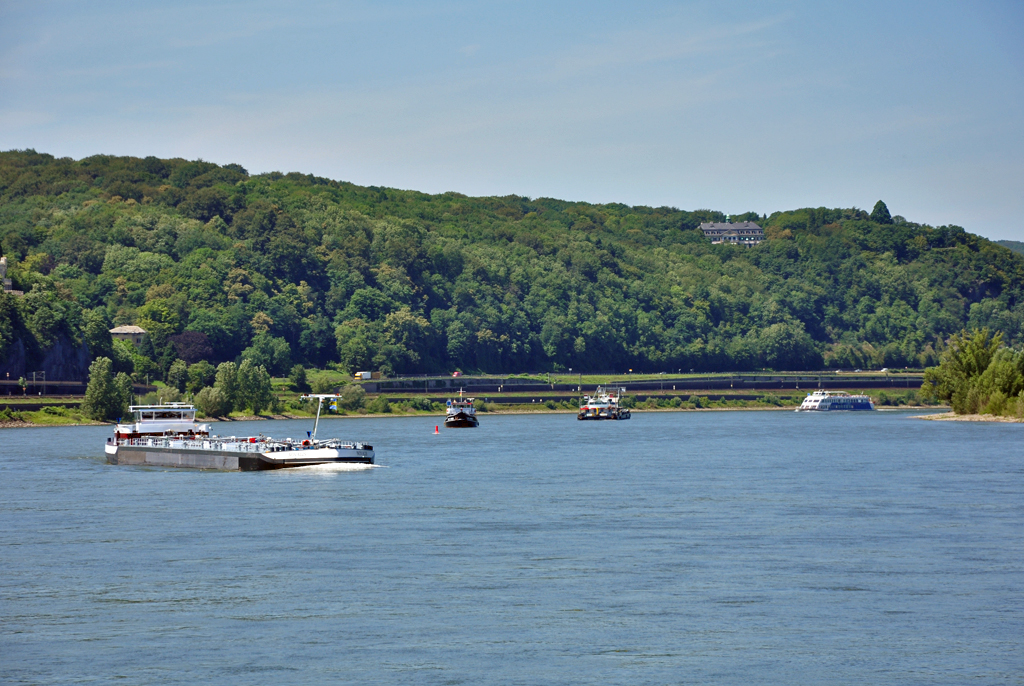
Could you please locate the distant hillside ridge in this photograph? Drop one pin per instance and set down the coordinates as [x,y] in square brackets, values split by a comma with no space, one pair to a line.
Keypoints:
[217,264]
[1016,246]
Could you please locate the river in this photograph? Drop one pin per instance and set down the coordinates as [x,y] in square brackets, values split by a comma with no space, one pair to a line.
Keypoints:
[675,548]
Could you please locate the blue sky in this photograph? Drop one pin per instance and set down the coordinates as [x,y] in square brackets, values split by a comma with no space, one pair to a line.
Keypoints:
[726,105]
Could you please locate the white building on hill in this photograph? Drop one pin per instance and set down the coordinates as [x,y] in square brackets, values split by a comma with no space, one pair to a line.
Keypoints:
[744,233]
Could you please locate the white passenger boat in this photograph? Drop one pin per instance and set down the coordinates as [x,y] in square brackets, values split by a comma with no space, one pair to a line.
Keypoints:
[167,435]
[826,401]
[603,404]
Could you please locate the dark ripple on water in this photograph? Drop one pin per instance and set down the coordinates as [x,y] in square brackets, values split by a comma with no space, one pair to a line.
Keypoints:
[674,548]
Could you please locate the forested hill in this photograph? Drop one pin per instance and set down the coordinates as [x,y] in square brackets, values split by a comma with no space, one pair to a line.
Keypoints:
[292,268]
[1015,246]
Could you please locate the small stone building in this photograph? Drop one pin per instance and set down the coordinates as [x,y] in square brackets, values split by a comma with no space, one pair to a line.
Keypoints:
[129,332]
[744,233]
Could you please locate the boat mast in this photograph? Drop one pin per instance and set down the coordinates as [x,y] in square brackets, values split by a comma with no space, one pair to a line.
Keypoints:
[319,406]
[317,422]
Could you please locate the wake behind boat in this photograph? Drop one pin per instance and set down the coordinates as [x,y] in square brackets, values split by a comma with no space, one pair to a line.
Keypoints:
[167,435]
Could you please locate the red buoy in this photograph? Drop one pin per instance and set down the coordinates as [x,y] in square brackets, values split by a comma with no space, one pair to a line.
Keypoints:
[436,430]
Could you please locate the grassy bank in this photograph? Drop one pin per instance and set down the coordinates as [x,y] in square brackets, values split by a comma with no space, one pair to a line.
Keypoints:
[54,415]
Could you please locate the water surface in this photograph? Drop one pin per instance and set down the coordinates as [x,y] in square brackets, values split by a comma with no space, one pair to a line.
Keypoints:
[725,547]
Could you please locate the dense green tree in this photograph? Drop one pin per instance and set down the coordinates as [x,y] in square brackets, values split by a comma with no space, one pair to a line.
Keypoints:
[102,400]
[352,397]
[1000,388]
[8,322]
[227,382]
[880,213]
[124,356]
[212,402]
[200,375]
[146,349]
[955,380]
[124,392]
[254,388]
[96,333]
[177,375]
[316,342]
[192,346]
[270,352]
[297,379]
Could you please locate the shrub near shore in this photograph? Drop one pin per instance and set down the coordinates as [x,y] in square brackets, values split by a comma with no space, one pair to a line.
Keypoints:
[979,375]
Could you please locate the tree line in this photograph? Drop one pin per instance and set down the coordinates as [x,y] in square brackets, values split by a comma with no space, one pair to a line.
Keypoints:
[220,266]
[216,392]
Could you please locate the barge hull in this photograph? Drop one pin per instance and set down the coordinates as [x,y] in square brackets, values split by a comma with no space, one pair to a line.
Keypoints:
[461,421]
[227,460]
[224,460]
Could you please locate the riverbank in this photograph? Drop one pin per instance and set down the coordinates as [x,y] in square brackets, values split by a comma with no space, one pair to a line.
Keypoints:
[953,417]
[43,419]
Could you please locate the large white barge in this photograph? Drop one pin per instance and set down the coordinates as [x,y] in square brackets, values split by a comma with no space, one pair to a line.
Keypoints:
[825,401]
[168,436]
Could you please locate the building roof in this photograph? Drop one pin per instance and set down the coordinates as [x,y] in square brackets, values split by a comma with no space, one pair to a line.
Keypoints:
[726,226]
[128,328]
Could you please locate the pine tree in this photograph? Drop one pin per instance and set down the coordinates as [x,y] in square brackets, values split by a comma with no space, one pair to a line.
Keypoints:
[880,214]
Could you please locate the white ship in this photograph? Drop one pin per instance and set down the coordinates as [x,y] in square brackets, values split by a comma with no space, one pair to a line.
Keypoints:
[167,435]
[825,401]
[603,405]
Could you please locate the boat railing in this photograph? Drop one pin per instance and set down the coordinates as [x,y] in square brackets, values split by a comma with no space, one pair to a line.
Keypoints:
[243,445]
[196,444]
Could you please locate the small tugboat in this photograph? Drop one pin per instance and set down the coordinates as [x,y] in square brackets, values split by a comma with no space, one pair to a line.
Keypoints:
[167,436]
[461,414]
[603,405]
[825,401]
